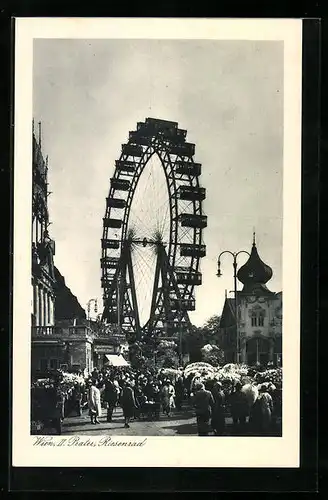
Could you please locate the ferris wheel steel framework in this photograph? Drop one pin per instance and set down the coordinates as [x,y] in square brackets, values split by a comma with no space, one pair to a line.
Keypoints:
[175,297]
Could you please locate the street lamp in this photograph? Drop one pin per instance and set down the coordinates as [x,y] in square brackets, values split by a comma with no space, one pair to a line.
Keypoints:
[219,274]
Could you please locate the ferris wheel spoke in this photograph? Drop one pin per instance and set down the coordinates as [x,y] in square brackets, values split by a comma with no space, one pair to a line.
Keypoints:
[147,263]
[165,220]
[144,269]
[140,275]
[139,224]
[145,266]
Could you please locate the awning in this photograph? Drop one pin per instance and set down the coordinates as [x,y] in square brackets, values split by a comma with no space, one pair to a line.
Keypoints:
[116,360]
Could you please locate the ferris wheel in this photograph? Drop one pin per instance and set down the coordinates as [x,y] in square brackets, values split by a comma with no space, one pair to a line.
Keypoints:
[152,239]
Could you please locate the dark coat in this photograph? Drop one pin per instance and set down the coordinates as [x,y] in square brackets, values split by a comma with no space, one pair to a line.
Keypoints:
[218,418]
[46,404]
[260,417]
[110,393]
[239,405]
[203,403]
[179,388]
[128,402]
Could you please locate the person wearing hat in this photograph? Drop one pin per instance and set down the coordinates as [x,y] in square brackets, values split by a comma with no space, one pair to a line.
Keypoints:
[179,392]
[94,402]
[261,412]
[128,403]
[110,395]
[218,418]
[266,406]
[195,379]
[239,407]
[77,398]
[168,395]
[203,402]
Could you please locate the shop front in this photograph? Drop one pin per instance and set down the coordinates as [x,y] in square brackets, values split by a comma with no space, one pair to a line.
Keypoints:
[100,353]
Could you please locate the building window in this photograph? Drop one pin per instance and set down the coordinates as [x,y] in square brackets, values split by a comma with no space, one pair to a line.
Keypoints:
[53,364]
[48,309]
[257,318]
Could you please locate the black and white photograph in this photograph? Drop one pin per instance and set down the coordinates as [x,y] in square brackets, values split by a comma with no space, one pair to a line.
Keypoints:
[157,238]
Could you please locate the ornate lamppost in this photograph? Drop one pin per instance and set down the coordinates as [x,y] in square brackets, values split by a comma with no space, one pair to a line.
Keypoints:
[234,256]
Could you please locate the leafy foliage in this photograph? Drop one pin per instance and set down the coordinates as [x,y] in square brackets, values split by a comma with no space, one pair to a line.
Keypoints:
[212,354]
[201,336]
[148,354]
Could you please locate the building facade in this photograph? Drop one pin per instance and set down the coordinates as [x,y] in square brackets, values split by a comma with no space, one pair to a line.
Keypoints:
[43,352]
[43,247]
[61,335]
[253,335]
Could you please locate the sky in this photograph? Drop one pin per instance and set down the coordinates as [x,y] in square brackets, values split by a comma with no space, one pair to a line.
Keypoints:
[228,95]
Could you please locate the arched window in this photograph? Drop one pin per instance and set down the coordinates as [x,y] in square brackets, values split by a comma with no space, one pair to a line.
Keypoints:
[257,317]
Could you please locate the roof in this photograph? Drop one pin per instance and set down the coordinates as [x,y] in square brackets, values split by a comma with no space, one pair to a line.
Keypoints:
[228,314]
[254,273]
[232,305]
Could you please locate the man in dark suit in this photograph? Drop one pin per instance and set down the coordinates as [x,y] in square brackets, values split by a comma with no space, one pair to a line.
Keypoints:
[203,402]
[110,396]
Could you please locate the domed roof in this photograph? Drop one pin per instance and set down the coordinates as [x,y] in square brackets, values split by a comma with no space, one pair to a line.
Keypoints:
[255,271]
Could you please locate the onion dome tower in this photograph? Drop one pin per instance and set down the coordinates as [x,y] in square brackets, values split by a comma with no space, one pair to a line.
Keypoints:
[254,274]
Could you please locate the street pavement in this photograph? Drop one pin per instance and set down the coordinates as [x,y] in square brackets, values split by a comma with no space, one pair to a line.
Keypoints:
[178,423]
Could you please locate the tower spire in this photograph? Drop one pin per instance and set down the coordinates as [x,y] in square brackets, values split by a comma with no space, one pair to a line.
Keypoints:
[255,273]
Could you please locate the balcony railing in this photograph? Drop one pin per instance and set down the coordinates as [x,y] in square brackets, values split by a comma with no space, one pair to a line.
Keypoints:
[59,331]
[46,331]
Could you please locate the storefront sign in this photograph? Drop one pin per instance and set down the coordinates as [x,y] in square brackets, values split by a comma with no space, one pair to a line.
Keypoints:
[109,349]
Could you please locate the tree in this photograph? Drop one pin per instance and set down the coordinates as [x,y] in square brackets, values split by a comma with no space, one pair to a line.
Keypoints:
[166,354]
[211,330]
[212,354]
[193,342]
[198,337]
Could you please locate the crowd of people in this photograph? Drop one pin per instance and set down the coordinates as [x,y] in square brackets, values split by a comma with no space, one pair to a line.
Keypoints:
[146,394]
[251,413]
[140,394]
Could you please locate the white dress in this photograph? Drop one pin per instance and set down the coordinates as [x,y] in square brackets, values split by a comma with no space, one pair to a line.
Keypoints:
[94,401]
[168,394]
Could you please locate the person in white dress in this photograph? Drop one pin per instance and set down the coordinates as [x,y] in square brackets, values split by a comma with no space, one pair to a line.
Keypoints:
[168,394]
[94,402]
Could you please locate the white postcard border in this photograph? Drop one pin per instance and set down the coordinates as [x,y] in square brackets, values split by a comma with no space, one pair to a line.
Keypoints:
[158,451]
